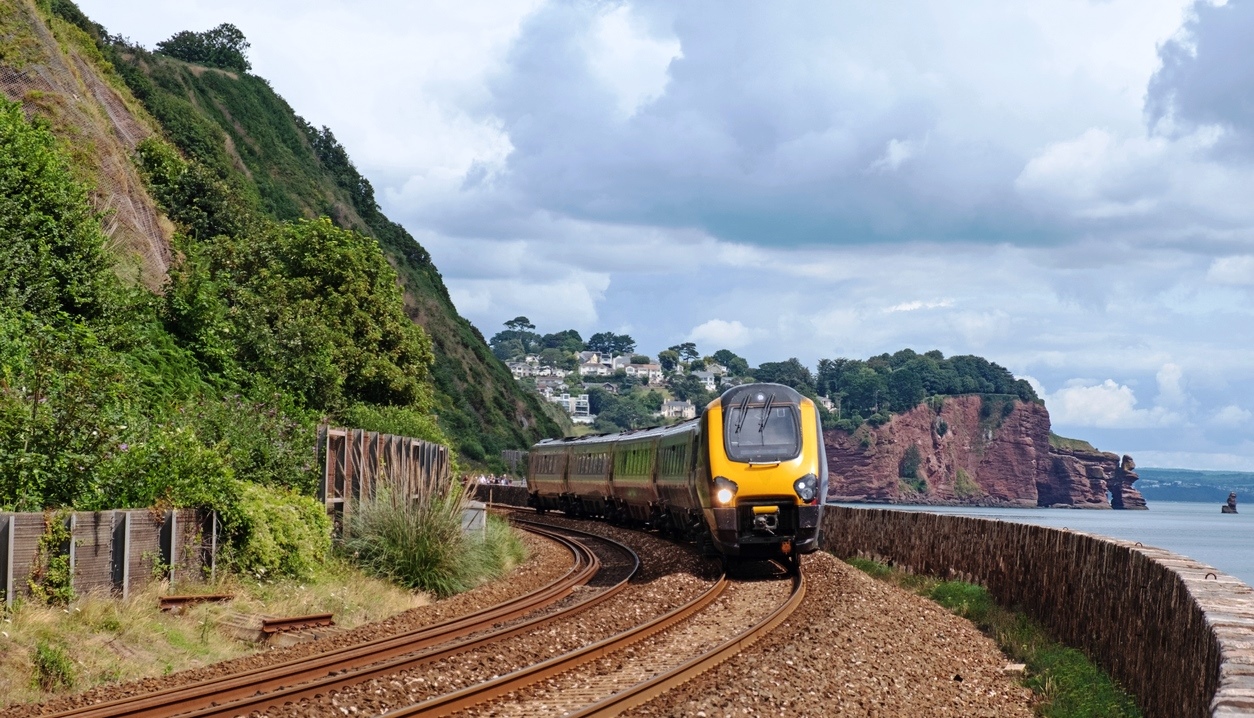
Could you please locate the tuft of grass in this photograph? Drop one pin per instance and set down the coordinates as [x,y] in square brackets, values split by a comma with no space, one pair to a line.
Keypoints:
[418,542]
[53,668]
[1065,681]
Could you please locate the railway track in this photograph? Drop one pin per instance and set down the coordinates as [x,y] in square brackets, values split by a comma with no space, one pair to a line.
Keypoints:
[631,668]
[291,681]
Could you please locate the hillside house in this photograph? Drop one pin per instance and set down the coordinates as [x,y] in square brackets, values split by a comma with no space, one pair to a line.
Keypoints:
[650,373]
[594,369]
[576,406]
[678,410]
[708,380]
[589,358]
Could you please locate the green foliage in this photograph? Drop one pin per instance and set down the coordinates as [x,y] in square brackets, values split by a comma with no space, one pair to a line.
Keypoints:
[53,261]
[631,410]
[908,467]
[669,359]
[398,420]
[611,343]
[224,46]
[895,383]
[52,578]
[942,427]
[276,531]
[867,566]
[968,600]
[964,487]
[419,542]
[736,365]
[689,388]
[790,373]
[1062,442]
[54,669]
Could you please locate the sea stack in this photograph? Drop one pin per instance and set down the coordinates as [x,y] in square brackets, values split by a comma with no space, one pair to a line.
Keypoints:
[1231,506]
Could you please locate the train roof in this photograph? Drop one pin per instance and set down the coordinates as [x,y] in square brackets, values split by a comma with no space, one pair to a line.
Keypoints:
[656,432]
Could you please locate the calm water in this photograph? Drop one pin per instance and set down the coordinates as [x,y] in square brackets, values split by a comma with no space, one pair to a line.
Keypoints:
[1225,541]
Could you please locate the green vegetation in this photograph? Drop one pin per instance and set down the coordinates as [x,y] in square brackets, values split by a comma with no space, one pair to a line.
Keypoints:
[224,46]
[53,668]
[420,543]
[964,487]
[1062,442]
[1067,683]
[871,391]
[249,161]
[51,580]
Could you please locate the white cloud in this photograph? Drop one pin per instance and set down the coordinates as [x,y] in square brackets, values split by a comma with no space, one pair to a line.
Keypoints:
[1170,391]
[917,305]
[1105,405]
[629,61]
[1237,270]
[720,334]
[895,154]
[1231,416]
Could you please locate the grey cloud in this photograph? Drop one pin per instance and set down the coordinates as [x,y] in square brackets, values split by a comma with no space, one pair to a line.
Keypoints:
[1207,76]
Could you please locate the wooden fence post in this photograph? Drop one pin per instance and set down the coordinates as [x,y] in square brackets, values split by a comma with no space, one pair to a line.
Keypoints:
[6,555]
[121,553]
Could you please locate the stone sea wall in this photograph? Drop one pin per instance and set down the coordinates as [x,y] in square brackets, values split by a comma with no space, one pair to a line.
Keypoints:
[1175,632]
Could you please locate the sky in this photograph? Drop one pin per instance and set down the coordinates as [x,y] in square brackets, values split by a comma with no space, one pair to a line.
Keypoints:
[1064,188]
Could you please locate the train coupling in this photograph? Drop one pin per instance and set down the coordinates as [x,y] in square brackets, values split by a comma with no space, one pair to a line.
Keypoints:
[765,519]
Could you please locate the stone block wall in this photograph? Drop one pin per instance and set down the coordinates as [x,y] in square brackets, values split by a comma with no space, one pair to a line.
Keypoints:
[1176,633]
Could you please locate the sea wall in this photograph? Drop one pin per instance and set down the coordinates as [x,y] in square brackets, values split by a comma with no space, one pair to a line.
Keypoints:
[1175,632]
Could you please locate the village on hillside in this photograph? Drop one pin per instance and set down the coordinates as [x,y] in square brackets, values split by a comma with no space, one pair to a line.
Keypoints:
[604,384]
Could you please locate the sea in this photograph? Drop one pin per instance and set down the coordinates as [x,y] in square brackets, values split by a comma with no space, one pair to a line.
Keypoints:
[1197,530]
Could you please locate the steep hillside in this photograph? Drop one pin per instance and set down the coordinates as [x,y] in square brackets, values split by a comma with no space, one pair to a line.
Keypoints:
[235,125]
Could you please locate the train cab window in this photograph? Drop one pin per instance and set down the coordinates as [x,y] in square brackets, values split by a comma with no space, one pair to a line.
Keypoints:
[762,433]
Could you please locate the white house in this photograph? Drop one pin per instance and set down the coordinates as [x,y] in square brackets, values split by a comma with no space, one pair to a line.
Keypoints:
[594,369]
[707,378]
[651,373]
[589,357]
[576,406]
[678,410]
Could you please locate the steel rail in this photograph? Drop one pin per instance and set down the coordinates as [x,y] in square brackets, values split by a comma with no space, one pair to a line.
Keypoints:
[235,686]
[474,695]
[352,676]
[646,691]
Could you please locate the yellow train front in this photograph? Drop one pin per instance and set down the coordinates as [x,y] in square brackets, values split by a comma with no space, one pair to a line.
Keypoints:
[746,480]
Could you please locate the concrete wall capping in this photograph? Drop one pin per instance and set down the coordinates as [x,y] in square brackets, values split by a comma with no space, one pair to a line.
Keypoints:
[1179,634]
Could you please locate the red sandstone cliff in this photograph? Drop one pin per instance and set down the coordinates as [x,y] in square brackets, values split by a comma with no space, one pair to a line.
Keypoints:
[993,457]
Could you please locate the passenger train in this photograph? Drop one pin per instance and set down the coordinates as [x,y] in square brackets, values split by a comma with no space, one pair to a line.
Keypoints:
[746,479]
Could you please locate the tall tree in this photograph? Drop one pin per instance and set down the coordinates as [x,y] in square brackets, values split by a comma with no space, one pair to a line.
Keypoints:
[224,46]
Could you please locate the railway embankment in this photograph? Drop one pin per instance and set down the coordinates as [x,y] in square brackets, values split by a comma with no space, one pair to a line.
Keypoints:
[1177,633]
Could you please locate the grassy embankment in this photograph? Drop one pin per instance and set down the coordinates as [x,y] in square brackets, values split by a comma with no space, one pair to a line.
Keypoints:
[1065,681]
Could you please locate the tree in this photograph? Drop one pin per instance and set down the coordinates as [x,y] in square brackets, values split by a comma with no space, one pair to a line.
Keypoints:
[686,351]
[690,388]
[905,389]
[639,359]
[736,366]
[611,343]
[519,324]
[669,359]
[224,46]
[789,373]
[568,341]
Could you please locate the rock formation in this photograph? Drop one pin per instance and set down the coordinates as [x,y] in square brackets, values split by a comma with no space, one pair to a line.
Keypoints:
[969,454]
[1231,506]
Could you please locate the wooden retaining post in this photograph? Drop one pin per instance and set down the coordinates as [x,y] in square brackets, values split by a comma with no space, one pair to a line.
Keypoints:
[121,554]
[6,558]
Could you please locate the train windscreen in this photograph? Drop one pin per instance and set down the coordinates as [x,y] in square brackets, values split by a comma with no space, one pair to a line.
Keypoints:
[763,433]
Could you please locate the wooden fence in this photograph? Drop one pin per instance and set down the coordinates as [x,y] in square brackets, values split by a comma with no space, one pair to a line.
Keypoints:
[356,463]
[114,551]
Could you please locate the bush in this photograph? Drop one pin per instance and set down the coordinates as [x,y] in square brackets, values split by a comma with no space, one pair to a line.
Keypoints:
[397,420]
[53,667]
[224,46]
[275,531]
[908,467]
[419,542]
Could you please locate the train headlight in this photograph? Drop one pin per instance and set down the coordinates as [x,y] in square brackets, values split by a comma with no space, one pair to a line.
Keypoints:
[724,490]
[807,487]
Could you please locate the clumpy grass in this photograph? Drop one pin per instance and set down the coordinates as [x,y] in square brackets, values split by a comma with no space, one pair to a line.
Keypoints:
[1066,683]
[418,541]
[47,651]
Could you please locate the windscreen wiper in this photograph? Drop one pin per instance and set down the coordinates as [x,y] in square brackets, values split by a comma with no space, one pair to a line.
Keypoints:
[766,413]
[744,408]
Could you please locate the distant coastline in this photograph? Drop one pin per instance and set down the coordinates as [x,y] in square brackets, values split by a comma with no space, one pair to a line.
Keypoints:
[1195,486]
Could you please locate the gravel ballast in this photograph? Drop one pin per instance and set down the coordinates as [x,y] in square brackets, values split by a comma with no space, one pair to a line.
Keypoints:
[856,647]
